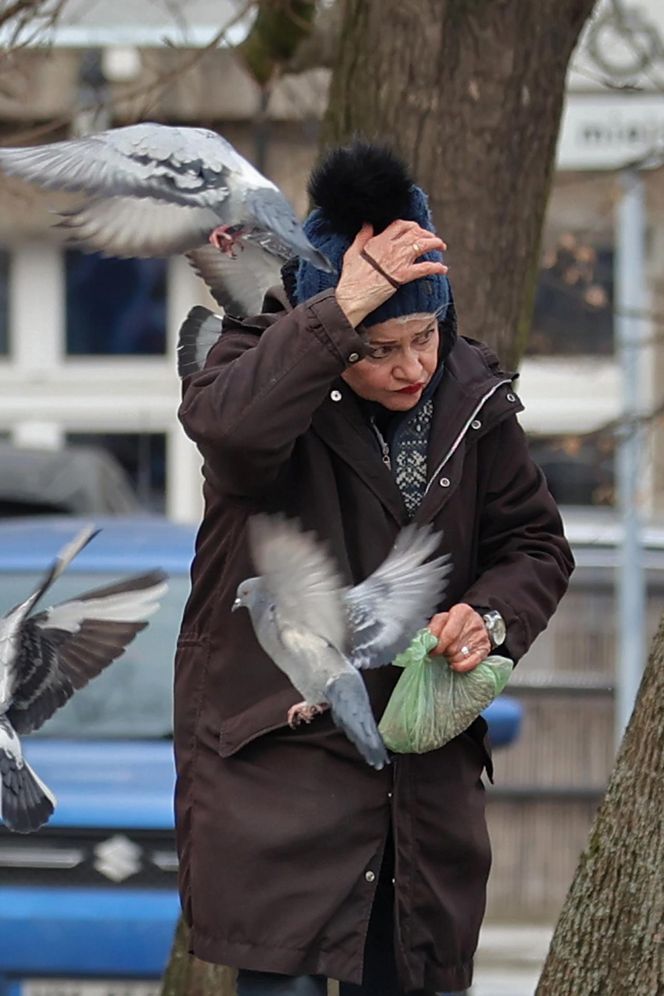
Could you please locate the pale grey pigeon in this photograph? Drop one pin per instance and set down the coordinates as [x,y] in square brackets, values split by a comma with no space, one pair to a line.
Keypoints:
[45,658]
[320,631]
[154,190]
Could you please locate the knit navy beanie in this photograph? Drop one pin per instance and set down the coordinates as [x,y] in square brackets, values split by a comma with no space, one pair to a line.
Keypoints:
[359,183]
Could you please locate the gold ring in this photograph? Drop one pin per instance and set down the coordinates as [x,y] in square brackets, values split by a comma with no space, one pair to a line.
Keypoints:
[417,248]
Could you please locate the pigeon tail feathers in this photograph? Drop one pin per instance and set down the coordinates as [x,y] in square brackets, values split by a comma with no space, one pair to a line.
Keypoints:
[198,334]
[26,803]
[351,711]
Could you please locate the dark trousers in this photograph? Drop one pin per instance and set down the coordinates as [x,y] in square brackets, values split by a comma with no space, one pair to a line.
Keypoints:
[380,970]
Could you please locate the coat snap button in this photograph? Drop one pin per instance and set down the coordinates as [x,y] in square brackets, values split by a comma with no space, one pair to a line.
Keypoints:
[336,395]
[476,424]
[353,358]
[444,482]
[370,876]
[511,397]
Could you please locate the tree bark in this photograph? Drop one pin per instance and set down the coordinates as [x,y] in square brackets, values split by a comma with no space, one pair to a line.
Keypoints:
[470,92]
[609,940]
[188,975]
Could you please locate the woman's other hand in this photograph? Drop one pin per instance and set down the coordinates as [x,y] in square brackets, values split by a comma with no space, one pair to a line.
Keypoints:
[362,287]
[462,637]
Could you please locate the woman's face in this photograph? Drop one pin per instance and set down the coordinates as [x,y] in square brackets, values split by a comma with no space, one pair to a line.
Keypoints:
[402,358]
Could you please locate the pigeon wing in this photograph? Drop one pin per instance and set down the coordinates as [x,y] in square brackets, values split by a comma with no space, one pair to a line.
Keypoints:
[59,565]
[299,576]
[188,166]
[239,283]
[64,647]
[400,597]
[351,711]
[130,227]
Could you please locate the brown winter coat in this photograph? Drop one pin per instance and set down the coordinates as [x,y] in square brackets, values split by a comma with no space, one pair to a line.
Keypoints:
[281,831]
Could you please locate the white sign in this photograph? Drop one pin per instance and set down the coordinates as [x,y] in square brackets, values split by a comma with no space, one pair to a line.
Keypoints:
[608,132]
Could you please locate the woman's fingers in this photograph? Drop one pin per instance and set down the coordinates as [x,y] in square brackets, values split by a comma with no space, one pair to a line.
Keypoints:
[375,266]
[362,237]
[462,637]
[427,268]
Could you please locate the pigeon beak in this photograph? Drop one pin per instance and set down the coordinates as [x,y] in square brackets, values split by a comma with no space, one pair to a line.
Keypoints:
[237,604]
[322,262]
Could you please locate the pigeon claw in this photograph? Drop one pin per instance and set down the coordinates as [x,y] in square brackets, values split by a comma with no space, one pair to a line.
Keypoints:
[226,238]
[302,712]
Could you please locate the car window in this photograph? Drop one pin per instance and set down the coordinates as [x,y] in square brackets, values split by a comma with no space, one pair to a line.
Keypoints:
[133,697]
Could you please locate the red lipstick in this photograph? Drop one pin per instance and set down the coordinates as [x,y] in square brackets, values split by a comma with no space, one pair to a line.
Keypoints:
[411,389]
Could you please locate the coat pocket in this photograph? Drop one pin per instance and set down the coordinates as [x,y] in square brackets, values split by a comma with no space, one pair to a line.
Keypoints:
[258,719]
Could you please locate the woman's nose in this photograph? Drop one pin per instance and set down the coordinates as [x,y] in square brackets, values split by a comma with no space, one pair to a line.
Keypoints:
[408,366]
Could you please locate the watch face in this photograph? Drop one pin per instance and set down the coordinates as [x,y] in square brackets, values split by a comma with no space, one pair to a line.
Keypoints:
[495,625]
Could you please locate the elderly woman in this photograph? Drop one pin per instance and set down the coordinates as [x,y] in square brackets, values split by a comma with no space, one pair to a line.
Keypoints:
[352,404]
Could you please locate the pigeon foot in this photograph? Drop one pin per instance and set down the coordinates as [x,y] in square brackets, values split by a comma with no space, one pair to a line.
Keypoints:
[226,238]
[302,712]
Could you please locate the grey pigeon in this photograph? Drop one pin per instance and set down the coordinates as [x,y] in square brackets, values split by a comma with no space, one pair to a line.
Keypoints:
[45,658]
[154,190]
[320,631]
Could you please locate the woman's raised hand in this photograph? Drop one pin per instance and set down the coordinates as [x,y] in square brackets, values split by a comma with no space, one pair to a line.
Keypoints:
[375,266]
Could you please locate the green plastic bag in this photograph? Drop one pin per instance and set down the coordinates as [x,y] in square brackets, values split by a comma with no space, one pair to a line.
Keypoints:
[431,703]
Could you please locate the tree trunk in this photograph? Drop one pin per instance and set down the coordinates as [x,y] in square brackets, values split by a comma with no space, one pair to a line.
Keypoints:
[190,976]
[470,92]
[609,939]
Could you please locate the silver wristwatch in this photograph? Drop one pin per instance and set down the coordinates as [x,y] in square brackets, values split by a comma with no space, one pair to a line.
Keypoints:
[495,627]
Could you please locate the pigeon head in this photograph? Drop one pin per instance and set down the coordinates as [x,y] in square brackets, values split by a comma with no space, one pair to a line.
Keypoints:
[273,213]
[250,594]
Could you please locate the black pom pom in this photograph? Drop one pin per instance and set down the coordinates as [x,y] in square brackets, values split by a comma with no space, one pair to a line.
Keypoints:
[358,183]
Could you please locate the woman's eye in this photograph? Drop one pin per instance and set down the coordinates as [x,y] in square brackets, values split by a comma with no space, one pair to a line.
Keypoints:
[424,337]
[378,352]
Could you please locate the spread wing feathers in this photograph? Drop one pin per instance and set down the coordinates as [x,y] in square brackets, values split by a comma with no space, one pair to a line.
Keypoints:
[299,576]
[64,647]
[239,283]
[189,166]
[351,711]
[60,564]
[127,227]
[25,802]
[198,334]
[387,609]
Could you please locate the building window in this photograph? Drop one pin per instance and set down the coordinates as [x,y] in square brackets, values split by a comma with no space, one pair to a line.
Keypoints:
[4,302]
[143,458]
[579,469]
[573,313]
[115,306]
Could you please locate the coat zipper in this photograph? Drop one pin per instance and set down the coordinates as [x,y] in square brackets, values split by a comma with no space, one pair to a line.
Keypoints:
[384,448]
[464,430]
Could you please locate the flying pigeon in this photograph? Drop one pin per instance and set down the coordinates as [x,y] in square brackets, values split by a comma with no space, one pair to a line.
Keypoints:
[155,190]
[321,633]
[45,658]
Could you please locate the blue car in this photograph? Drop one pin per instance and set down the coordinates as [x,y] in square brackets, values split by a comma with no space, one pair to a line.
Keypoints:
[88,904]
